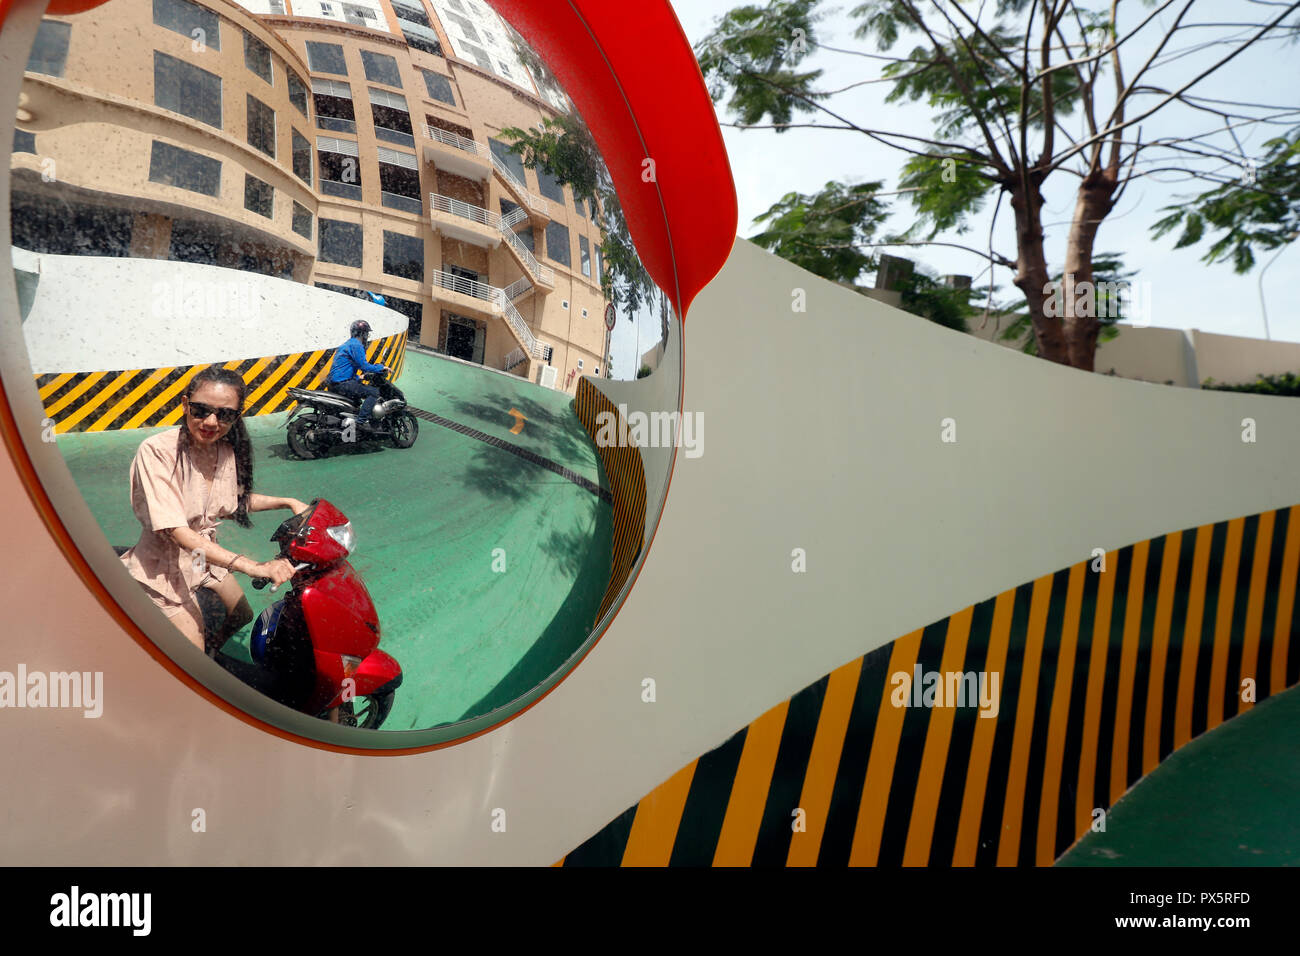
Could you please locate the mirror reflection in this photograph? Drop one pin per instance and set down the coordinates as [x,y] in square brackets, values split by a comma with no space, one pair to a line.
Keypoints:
[317,296]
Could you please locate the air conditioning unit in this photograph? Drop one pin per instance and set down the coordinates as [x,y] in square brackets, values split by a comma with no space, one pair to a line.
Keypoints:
[547,375]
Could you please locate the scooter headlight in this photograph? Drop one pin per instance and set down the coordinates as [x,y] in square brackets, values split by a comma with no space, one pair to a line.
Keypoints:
[344,535]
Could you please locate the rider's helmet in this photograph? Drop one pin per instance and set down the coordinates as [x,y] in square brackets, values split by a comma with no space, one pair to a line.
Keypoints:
[360,328]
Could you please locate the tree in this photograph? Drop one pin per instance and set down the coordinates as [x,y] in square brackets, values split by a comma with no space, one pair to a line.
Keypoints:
[1110,279]
[565,148]
[1002,79]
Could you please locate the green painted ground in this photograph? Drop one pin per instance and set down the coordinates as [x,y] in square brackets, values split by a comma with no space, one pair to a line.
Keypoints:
[1228,798]
[428,520]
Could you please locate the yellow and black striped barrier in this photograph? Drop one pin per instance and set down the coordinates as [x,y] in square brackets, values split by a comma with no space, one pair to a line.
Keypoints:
[146,398]
[1101,675]
[626,475]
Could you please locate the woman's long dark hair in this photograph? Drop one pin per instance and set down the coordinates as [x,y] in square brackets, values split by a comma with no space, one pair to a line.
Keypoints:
[237,436]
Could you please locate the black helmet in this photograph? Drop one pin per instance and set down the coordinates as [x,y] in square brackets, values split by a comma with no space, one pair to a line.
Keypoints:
[360,328]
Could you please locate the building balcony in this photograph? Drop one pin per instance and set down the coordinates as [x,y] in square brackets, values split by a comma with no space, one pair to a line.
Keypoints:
[460,220]
[479,298]
[456,154]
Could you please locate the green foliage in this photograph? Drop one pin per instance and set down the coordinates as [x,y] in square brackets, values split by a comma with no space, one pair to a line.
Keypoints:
[643,372]
[927,296]
[947,190]
[1264,214]
[1288,383]
[752,51]
[822,232]
[1107,274]
[988,83]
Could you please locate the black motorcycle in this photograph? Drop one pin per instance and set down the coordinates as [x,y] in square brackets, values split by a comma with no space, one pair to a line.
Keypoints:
[321,421]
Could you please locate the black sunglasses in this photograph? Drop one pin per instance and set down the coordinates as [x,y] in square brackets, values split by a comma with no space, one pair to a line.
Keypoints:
[224,415]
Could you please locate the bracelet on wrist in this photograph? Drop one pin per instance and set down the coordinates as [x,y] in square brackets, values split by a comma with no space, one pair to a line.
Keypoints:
[231,565]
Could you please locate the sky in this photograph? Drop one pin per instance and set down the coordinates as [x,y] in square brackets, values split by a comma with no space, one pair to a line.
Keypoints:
[1183,291]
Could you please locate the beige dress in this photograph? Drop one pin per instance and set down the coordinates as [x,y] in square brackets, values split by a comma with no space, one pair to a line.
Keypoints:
[169,491]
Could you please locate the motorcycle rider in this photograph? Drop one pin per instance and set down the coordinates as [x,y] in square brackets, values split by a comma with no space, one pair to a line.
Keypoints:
[350,358]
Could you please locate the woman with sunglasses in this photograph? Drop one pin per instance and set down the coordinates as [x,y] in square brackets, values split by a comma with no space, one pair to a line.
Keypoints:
[183,483]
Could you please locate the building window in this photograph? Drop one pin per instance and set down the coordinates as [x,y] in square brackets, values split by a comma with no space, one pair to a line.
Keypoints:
[339,170]
[24,142]
[301,220]
[334,110]
[584,313]
[479,55]
[584,256]
[183,88]
[549,186]
[261,126]
[172,166]
[596,252]
[189,19]
[557,244]
[404,256]
[298,93]
[340,243]
[579,365]
[421,38]
[257,57]
[276,7]
[511,161]
[392,118]
[466,28]
[399,179]
[302,157]
[410,13]
[259,197]
[50,50]
[361,16]
[381,68]
[414,312]
[326,58]
[577,205]
[439,87]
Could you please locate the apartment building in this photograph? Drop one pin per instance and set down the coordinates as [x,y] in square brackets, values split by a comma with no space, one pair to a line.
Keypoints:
[355,146]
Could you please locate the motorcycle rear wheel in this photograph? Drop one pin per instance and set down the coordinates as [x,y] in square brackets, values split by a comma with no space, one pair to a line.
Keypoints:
[375,711]
[405,429]
[298,441]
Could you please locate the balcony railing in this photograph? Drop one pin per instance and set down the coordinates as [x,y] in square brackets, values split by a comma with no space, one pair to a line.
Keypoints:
[464,210]
[453,140]
[543,274]
[500,303]
[518,289]
[534,201]
[514,218]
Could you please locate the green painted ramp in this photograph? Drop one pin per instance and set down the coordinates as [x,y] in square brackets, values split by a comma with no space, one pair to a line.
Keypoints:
[430,522]
[1228,798]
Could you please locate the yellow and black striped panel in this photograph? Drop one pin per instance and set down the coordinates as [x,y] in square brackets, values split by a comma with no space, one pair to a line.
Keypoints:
[1103,674]
[144,398]
[626,475]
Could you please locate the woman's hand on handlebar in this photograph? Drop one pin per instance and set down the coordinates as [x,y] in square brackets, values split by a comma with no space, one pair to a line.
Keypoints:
[277,572]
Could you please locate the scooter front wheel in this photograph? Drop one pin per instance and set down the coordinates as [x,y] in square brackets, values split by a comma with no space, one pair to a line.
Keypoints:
[374,711]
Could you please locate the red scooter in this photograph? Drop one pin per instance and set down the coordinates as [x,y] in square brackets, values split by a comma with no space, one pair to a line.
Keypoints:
[318,648]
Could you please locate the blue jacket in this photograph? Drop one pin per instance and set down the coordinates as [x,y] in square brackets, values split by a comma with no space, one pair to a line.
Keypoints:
[350,357]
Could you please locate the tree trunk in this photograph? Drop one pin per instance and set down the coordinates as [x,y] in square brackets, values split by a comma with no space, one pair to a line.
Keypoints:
[1095,200]
[1032,276]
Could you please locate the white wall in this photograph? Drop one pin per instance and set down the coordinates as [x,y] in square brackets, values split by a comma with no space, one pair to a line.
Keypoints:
[832,446]
[95,314]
